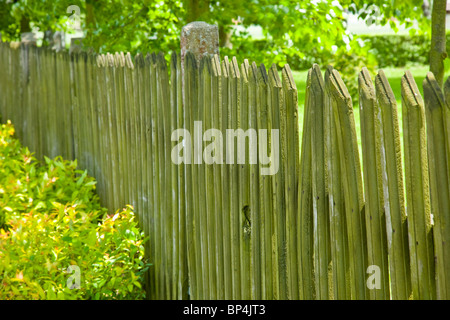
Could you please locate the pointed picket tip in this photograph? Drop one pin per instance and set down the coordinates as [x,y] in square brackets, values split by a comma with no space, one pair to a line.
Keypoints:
[338,88]
[432,92]
[234,68]
[366,88]
[129,61]
[316,77]
[225,67]
[217,72]
[122,59]
[189,60]
[91,58]
[327,76]
[110,60]
[116,60]
[205,64]
[410,91]
[252,73]
[244,71]
[274,76]
[287,78]
[384,90]
[174,60]
[161,61]
[262,77]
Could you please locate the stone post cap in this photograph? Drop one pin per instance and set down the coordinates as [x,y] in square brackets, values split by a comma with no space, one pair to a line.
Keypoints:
[28,37]
[200,38]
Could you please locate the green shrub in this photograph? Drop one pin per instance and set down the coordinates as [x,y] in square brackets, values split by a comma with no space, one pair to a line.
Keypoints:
[52,219]
[399,50]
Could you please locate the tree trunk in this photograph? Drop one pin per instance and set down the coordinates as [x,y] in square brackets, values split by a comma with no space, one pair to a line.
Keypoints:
[90,16]
[438,51]
[196,10]
[25,24]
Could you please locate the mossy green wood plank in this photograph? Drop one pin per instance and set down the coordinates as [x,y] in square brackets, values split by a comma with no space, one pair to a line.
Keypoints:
[183,260]
[4,58]
[75,80]
[149,192]
[90,115]
[59,124]
[160,172]
[157,234]
[35,95]
[234,105]
[318,171]
[265,183]
[4,54]
[244,194]
[394,201]
[447,119]
[100,92]
[115,164]
[118,168]
[134,127]
[278,109]
[135,141]
[274,142]
[107,132]
[67,101]
[110,105]
[439,187]
[352,182]
[202,222]
[15,108]
[164,108]
[292,125]
[417,191]
[255,237]
[190,86]
[228,281]
[216,105]
[174,182]
[206,92]
[24,113]
[36,103]
[44,97]
[128,84]
[81,110]
[66,121]
[305,224]
[36,76]
[88,150]
[143,142]
[373,161]
[338,227]
[105,135]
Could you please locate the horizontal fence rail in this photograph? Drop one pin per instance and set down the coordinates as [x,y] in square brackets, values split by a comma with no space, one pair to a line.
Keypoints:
[237,201]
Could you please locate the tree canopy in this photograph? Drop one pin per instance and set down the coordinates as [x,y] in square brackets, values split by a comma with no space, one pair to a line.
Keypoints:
[295,32]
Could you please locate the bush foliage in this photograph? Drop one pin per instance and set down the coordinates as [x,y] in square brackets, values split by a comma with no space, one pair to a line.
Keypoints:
[50,219]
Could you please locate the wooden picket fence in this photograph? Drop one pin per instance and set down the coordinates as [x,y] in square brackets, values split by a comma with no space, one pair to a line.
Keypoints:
[321,227]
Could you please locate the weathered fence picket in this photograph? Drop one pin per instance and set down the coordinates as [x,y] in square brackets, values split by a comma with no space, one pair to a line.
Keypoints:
[286,217]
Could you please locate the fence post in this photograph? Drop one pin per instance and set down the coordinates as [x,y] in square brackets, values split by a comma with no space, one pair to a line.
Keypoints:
[201,39]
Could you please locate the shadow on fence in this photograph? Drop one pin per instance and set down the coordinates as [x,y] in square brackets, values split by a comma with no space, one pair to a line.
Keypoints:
[287,226]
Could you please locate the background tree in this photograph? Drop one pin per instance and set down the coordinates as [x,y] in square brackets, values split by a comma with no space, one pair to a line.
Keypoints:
[296,32]
[438,51]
